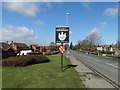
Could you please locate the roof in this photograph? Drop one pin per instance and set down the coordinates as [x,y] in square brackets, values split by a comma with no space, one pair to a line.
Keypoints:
[4,46]
[20,45]
[46,47]
[35,46]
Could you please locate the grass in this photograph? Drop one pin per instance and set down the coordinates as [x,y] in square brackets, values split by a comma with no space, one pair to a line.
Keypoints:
[45,75]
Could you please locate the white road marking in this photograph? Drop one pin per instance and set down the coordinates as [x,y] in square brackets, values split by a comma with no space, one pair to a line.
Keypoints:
[111,65]
[97,60]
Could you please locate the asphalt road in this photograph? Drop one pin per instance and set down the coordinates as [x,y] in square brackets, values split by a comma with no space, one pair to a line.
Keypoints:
[107,67]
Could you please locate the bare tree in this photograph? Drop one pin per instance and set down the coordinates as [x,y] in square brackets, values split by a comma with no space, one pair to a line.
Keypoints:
[94,37]
[83,44]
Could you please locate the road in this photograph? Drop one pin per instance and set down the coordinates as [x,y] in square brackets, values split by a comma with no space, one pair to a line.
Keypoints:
[107,67]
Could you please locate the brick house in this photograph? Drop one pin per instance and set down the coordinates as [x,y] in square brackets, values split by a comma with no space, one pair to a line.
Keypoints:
[45,48]
[48,48]
[35,48]
[17,47]
[6,51]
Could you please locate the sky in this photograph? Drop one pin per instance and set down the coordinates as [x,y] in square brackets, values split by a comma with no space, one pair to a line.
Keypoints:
[35,22]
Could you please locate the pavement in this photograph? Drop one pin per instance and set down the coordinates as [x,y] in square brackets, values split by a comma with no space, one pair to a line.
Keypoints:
[107,67]
[89,78]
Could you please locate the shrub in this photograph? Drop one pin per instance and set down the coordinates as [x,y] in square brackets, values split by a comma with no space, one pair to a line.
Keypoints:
[55,52]
[48,53]
[35,53]
[108,52]
[25,60]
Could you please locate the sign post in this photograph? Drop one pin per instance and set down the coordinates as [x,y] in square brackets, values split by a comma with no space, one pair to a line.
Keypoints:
[62,36]
[61,59]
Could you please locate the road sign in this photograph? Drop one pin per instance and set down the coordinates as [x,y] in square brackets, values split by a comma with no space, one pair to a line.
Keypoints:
[62,34]
[62,49]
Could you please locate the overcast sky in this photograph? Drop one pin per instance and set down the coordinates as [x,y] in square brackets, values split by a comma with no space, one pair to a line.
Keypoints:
[34,23]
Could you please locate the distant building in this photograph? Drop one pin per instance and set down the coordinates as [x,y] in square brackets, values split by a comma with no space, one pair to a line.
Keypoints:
[6,51]
[35,48]
[17,47]
[48,48]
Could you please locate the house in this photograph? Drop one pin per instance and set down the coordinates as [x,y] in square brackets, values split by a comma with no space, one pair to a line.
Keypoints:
[17,47]
[45,49]
[105,48]
[48,48]
[6,50]
[24,52]
[35,48]
[116,49]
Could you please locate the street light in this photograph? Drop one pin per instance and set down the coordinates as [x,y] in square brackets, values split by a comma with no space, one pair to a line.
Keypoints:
[67,19]
[67,14]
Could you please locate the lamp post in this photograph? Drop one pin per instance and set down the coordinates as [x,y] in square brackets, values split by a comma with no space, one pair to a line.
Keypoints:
[67,14]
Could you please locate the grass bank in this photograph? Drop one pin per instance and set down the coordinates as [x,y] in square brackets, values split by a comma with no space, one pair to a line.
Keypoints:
[45,75]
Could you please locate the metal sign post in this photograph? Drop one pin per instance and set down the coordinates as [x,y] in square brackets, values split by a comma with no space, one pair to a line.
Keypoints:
[62,36]
[62,59]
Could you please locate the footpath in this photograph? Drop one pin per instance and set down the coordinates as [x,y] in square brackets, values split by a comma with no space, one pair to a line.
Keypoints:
[89,78]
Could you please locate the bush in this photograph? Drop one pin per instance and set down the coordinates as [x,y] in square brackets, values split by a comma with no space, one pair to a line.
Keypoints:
[108,52]
[51,53]
[25,60]
[35,53]
[48,53]
[55,52]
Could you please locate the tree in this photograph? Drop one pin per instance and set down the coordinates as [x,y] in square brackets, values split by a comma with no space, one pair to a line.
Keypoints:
[71,45]
[118,44]
[83,44]
[54,46]
[94,38]
[44,49]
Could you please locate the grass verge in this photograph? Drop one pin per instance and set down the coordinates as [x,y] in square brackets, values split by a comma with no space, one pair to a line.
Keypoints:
[45,75]
[99,56]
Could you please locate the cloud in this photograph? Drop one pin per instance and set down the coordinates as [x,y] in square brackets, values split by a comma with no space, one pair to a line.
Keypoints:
[29,9]
[26,9]
[38,23]
[112,12]
[86,4]
[103,25]
[21,34]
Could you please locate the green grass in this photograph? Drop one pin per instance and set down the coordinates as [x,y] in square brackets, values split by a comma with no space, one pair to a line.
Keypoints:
[45,75]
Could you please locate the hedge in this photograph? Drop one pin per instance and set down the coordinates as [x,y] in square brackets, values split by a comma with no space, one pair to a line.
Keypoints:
[108,52]
[25,60]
